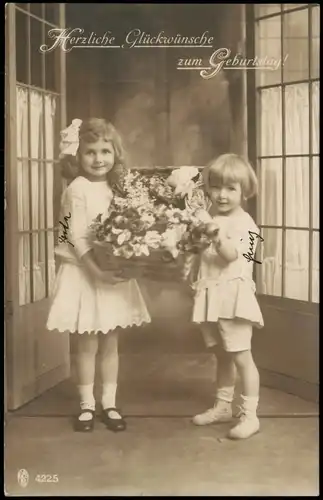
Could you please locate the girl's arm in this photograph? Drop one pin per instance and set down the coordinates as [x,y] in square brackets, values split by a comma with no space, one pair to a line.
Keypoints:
[96,272]
[74,206]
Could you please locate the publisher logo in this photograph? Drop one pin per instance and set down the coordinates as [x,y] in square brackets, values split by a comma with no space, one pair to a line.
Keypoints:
[23,478]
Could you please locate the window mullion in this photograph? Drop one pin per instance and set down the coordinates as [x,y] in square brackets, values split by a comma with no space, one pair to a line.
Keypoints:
[283,155]
[31,241]
[310,109]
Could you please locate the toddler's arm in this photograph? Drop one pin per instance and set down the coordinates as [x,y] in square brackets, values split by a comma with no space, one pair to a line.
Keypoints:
[225,247]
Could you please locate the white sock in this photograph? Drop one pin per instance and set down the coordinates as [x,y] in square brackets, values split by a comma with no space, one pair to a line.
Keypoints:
[109,397]
[225,394]
[87,401]
[250,403]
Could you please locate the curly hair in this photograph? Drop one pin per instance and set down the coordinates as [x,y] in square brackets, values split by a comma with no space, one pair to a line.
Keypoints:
[90,131]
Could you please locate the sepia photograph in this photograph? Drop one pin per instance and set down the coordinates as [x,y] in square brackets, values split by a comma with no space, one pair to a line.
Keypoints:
[161,269]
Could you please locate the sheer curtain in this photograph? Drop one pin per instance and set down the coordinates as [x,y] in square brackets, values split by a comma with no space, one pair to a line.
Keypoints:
[31,192]
[296,196]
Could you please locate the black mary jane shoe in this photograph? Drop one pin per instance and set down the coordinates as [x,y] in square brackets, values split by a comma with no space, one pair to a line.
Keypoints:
[113,424]
[84,425]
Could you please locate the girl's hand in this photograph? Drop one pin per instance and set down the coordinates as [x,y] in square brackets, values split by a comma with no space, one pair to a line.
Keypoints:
[111,278]
[132,273]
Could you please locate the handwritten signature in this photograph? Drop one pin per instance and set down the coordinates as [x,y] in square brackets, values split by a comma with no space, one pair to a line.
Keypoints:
[64,237]
[250,255]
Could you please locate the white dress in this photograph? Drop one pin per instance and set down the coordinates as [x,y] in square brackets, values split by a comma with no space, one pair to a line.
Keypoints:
[79,303]
[226,290]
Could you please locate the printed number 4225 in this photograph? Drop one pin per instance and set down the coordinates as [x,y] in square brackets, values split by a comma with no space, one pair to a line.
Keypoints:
[46,478]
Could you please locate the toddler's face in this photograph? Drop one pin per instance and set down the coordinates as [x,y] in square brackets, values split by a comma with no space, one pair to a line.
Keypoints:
[96,159]
[226,197]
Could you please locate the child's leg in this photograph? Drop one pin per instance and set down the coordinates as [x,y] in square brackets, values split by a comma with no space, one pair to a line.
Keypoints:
[248,373]
[225,375]
[109,367]
[237,335]
[225,379]
[87,346]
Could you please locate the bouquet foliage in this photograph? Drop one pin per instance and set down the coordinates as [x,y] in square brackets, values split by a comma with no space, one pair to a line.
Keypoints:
[152,220]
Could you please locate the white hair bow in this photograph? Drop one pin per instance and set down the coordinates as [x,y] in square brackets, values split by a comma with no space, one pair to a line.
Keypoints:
[70,139]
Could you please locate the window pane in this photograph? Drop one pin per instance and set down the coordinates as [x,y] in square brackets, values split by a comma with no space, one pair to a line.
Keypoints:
[50,194]
[22,123]
[271,190]
[24,269]
[50,123]
[264,9]
[315,49]
[316,193]
[271,122]
[24,6]
[21,47]
[37,128]
[316,268]
[36,8]
[51,76]
[295,46]
[51,12]
[51,261]
[297,192]
[38,204]
[297,118]
[296,264]
[315,117]
[39,266]
[289,6]
[268,50]
[269,273]
[23,197]
[35,55]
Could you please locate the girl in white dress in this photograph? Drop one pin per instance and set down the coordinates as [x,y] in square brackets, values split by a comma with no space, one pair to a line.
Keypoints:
[86,300]
[225,304]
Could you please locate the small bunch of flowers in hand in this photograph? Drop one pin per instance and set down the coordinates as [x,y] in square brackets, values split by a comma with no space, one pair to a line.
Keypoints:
[200,233]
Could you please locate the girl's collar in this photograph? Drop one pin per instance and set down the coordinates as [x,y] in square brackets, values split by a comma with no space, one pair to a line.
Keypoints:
[104,181]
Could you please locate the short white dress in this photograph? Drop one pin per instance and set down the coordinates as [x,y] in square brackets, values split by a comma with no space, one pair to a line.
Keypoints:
[78,302]
[226,290]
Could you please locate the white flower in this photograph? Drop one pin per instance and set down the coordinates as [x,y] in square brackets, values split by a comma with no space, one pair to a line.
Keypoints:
[140,249]
[124,236]
[171,237]
[152,239]
[182,176]
[116,230]
[125,252]
[148,218]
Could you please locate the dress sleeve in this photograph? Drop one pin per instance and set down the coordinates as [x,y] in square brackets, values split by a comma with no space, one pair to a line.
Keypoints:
[74,219]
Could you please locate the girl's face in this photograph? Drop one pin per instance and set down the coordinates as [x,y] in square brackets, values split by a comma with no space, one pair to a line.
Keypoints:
[96,159]
[225,197]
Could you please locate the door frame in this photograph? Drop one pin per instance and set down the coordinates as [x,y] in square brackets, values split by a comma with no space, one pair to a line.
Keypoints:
[11,285]
[298,314]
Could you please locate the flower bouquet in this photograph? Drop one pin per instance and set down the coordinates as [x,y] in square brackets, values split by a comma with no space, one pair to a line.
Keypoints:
[151,222]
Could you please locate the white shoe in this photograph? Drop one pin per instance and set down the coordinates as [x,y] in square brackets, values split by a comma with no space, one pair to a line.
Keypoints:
[248,426]
[221,412]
